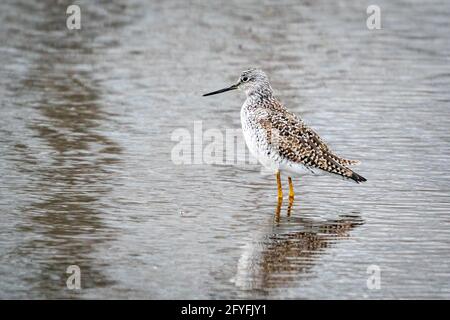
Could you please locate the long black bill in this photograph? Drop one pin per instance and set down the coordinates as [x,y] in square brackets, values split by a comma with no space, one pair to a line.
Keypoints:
[233,87]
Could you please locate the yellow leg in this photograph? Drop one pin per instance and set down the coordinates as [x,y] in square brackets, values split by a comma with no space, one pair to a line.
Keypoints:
[291,189]
[280,190]
[277,212]
[289,208]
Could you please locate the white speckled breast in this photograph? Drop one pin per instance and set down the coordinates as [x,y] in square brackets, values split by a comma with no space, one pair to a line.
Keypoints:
[256,136]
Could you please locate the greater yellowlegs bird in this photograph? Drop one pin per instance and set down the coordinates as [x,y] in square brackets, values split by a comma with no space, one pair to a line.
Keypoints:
[279,139]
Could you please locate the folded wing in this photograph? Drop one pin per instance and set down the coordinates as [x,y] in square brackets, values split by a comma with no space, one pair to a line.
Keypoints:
[300,144]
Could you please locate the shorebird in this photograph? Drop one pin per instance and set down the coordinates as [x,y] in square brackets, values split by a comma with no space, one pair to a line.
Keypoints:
[279,139]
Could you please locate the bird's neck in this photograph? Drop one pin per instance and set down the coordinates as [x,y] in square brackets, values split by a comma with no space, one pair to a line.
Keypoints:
[261,93]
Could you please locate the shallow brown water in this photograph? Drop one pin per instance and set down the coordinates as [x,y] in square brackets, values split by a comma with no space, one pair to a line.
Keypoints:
[87,177]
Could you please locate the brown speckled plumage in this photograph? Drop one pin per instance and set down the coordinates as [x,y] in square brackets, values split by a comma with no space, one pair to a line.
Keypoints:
[278,138]
[288,135]
[298,143]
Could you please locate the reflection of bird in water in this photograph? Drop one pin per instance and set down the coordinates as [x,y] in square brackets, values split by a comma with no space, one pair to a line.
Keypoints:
[279,139]
[284,257]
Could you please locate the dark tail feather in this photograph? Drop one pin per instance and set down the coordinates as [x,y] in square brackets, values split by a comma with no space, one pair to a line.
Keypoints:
[357,178]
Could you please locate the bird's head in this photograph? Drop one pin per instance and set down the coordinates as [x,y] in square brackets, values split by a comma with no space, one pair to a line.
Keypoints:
[250,81]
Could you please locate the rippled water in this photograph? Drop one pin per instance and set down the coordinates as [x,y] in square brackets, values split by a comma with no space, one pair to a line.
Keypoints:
[86,176]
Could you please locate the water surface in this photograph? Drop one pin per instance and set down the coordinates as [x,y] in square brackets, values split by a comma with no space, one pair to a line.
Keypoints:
[86,170]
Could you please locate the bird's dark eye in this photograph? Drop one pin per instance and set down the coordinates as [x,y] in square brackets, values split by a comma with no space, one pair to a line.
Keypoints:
[244,79]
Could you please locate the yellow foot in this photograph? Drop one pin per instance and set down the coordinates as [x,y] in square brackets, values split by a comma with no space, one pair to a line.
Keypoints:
[291,190]
[289,208]
[280,190]
[278,211]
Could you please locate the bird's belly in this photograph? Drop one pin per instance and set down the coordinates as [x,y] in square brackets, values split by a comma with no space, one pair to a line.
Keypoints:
[256,141]
[272,160]
[266,154]
[298,169]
